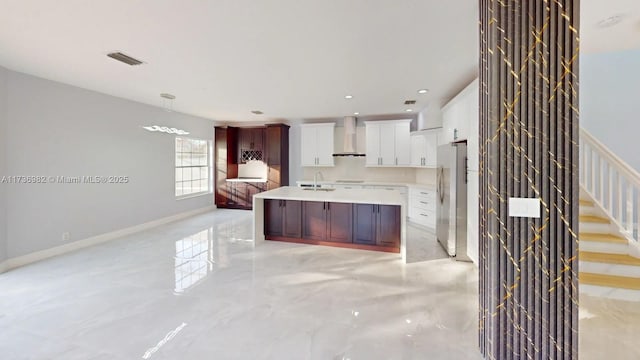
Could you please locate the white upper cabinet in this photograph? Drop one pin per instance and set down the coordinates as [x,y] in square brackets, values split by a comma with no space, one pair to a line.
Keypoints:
[372,136]
[460,115]
[424,147]
[317,144]
[418,149]
[388,143]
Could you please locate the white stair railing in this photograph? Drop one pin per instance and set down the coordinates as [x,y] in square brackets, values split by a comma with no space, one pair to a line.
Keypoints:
[613,184]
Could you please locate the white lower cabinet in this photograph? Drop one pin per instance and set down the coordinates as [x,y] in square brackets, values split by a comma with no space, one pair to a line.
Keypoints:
[422,206]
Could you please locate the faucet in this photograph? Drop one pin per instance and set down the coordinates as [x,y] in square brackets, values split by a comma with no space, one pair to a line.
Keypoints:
[315,180]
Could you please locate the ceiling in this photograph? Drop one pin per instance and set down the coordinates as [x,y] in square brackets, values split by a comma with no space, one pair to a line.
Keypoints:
[291,59]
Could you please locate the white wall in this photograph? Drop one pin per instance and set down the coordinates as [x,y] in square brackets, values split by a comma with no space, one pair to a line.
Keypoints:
[609,102]
[61,130]
[3,172]
[426,176]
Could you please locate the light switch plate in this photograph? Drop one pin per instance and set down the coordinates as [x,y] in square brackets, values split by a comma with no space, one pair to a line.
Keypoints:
[524,207]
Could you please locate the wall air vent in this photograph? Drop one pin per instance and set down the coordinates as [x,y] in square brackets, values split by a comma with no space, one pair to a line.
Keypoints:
[124,58]
[409,102]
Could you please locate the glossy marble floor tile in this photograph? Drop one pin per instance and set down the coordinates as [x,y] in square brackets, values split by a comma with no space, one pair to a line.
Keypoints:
[197,289]
[422,245]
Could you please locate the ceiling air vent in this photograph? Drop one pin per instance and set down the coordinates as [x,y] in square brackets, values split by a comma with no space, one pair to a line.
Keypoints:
[124,58]
[257,112]
[409,102]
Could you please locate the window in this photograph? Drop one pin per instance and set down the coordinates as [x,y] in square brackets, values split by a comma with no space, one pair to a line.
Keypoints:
[192,166]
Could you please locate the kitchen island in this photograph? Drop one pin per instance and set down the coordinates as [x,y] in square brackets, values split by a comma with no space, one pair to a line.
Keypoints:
[366,219]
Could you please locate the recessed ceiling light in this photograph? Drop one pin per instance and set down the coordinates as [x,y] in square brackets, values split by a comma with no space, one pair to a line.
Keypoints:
[257,112]
[356,113]
[409,110]
[423,91]
[348,96]
[610,21]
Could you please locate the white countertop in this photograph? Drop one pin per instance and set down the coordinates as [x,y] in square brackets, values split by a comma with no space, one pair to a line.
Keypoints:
[368,183]
[247,179]
[356,196]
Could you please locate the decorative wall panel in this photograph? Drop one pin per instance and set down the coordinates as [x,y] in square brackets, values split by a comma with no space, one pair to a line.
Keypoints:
[529,149]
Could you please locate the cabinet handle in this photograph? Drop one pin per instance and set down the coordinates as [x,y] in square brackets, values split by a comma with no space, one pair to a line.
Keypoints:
[328,206]
[324,206]
[424,202]
[396,161]
[424,193]
[424,215]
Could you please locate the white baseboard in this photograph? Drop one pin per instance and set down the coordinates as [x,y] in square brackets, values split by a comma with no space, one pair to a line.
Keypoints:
[13,263]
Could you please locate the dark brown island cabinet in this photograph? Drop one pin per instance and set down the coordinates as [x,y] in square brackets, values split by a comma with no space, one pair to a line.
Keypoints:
[359,226]
[377,225]
[283,218]
[327,221]
[235,146]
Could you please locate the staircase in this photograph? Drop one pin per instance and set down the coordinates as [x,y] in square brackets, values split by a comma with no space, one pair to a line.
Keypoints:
[606,268]
[609,238]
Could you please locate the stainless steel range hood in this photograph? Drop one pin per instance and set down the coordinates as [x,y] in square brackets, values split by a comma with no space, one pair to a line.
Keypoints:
[349,145]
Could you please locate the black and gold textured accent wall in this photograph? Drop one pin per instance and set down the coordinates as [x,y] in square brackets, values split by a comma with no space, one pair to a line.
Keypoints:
[529,149]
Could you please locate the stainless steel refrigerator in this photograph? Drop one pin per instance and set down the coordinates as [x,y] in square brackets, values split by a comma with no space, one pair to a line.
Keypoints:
[451,202]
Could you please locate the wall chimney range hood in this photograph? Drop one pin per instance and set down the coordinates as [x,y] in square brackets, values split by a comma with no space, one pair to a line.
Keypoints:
[349,146]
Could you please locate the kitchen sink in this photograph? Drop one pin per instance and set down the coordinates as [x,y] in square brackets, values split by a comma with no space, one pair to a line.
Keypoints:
[318,189]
